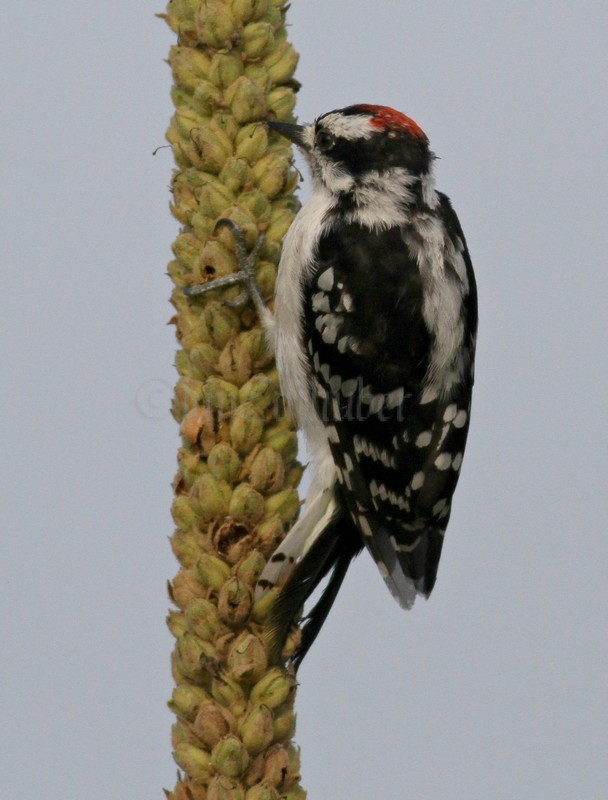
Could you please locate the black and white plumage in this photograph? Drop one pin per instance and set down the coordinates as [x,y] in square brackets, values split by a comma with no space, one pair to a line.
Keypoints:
[374,335]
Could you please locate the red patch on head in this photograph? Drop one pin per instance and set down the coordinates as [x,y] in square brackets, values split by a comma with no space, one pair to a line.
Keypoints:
[388,119]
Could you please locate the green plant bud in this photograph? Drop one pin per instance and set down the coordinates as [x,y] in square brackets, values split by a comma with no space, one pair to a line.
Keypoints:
[185,548]
[185,588]
[215,261]
[184,366]
[225,69]
[246,428]
[210,724]
[213,145]
[191,467]
[188,790]
[235,362]
[256,729]
[276,766]
[199,428]
[266,277]
[293,475]
[215,198]
[260,390]
[250,568]
[185,101]
[280,222]
[176,622]
[295,793]
[282,101]
[186,203]
[224,463]
[225,788]
[186,248]
[182,512]
[203,619]
[258,74]
[182,734]
[285,442]
[189,66]
[190,651]
[210,497]
[273,689]
[215,24]
[246,504]
[176,271]
[195,762]
[236,174]
[234,602]
[229,694]
[267,471]
[186,700]
[222,323]
[202,227]
[203,360]
[221,395]
[257,204]
[186,120]
[192,424]
[247,658]
[270,174]
[284,503]
[245,221]
[226,122]
[229,757]
[246,100]
[284,725]
[262,791]
[264,605]
[212,571]
[191,327]
[251,142]
[269,532]
[281,62]
[246,10]
[257,39]
[255,342]
[206,99]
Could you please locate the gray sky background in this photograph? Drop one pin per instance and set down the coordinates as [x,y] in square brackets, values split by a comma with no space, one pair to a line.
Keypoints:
[495,688]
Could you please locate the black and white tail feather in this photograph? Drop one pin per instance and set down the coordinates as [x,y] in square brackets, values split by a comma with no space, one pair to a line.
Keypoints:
[374,335]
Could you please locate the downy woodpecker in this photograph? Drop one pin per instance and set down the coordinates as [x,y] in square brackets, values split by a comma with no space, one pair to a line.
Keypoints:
[374,336]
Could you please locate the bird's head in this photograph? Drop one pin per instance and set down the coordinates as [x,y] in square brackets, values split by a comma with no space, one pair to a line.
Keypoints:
[363,146]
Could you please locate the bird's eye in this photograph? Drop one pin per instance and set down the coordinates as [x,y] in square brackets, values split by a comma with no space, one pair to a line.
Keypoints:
[325,140]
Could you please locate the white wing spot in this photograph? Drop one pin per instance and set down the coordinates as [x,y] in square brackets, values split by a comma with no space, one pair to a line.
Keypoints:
[457,461]
[320,302]
[343,344]
[424,439]
[443,461]
[450,412]
[417,481]
[334,383]
[326,280]
[439,506]
[394,398]
[349,387]
[460,419]
[365,526]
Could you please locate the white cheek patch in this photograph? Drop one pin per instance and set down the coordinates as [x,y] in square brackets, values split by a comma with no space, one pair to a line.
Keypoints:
[352,127]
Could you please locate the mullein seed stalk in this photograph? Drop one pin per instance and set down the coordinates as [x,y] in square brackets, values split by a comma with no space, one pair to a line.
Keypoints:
[235,488]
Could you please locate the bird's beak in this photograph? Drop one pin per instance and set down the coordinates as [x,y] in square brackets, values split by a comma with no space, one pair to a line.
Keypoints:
[295,133]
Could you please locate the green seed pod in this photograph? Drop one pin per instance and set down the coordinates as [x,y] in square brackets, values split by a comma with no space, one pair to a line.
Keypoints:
[246,504]
[267,471]
[276,767]
[215,260]
[247,658]
[273,689]
[215,198]
[246,10]
[203,361]
[295,793]
[212,144]
[225,69]
[236,174]
[252,142]
[256,729]
[246,428]
[176,622]
[284,725]
[234,602]
[270,173]
[293,475]
[270,532]
[229,757]
[182,734]
[186,248]
[212,571]
[221,395]
[185,588]
[258,39]
[258,74]
[185,548]
[257,204]
[259,390]
[245,221]
[281,101]
[186,700]
[281,63]
[215,24]
[206,99]
[229,693]
[222,323]
[188,790]
[262,791]
[190,651]
[246,100]
[224,463]
[235,362]
[194,761]
[250,568]
[262,607]
[280,222]
[203,619]
[189,66]
[284,503]
[186,121]
[183,513]
[285,442]
[225,788]
[210,724]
